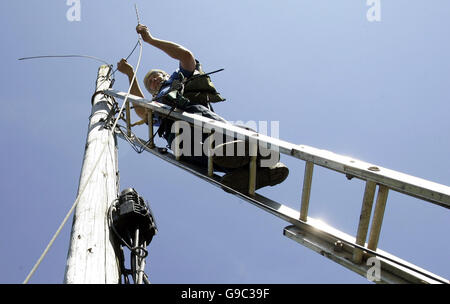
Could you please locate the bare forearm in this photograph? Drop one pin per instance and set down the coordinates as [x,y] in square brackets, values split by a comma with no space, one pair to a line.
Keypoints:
[172,49]
[124,67]
[136,90]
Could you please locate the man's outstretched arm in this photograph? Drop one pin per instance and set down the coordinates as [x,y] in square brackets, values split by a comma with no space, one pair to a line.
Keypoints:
[174,50]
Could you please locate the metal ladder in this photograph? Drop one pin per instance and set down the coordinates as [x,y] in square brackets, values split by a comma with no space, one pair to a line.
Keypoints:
[350,252]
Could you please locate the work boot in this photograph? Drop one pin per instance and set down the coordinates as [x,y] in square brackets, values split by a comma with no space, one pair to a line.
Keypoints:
[268,176]
[231,155]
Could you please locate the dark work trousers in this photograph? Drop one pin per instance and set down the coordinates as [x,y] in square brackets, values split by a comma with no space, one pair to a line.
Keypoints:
[200,160]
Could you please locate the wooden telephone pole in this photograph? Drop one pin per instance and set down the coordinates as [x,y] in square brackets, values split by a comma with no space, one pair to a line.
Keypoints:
[92,257]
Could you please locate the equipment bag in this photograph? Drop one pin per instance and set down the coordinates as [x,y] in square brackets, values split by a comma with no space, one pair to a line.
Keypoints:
[199,88]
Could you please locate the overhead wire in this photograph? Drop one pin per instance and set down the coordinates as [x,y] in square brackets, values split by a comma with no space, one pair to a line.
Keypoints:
[65,56]
[84,56]
[137,14]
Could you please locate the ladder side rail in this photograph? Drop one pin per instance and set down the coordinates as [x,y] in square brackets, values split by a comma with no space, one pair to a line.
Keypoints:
[391,269]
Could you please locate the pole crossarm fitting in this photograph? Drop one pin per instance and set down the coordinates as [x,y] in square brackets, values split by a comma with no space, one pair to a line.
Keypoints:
[342,248]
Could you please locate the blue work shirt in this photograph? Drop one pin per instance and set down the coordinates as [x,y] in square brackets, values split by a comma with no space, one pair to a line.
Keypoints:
[166,84]
[166,87]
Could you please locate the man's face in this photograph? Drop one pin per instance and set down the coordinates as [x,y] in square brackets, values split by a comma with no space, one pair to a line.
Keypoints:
[155,80]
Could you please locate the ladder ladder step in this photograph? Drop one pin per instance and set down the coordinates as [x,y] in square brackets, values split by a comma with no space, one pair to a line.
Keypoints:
[378,217]
[364,219]
[306,192]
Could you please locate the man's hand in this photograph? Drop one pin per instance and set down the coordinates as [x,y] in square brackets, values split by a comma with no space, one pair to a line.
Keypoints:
[174,50]
[124,67]
[144,31]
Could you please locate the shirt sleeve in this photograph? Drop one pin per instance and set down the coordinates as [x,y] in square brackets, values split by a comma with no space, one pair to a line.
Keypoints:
[185,73]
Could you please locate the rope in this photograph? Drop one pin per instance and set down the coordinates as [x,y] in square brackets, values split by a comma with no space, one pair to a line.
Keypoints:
[64,221]
[33,270]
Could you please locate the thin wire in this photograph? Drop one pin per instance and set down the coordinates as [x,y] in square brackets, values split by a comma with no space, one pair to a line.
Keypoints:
[83,56]
[33,270]
[137,14]
[65,56]
[131,84]
[131,53]
[115,70]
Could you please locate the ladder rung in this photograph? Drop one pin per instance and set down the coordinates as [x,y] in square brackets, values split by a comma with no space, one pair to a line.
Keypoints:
[306,191]
[150,128]
[364,219]
[378,215]
[128,118]
[253,148]
[210,142]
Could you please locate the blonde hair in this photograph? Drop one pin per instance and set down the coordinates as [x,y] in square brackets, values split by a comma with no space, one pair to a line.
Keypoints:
[147,76]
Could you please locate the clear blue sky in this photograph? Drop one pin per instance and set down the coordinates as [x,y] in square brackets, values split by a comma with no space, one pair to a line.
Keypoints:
[376,91]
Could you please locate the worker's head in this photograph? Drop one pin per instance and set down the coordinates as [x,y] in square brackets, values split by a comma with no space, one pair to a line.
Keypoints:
[154,79]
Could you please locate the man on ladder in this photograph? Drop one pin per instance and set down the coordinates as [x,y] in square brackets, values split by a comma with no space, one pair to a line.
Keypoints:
[190,90]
